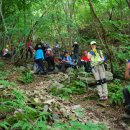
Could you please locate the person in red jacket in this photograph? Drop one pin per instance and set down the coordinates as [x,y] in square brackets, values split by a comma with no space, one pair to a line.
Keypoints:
[85,57]
[85,61]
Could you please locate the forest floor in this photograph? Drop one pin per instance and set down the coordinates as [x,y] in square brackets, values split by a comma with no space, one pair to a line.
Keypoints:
[94,109]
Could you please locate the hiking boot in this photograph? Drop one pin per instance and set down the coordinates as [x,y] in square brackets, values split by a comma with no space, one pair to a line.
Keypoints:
[101,98]
[105,98]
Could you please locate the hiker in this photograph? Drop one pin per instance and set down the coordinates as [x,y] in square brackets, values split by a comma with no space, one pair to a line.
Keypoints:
[127,70]
[39,57]
[6,52]
[126,93]
[75,53]
[29,49]
[50,59]
[44,47]
[85,61]
[66,62]
[98,70]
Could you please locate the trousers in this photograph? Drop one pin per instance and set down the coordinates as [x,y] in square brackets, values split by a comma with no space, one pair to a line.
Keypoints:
[99,74]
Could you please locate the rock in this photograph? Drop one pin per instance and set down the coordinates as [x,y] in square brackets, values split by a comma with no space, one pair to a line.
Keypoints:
[30,66]
[49,102]
[76,107]
[22,68]
[46,108]
[18,111]
[72,117]
[56,84]
[109,76]
[55,116]
[89,80]
[2,87]
[36,100]
[35,92]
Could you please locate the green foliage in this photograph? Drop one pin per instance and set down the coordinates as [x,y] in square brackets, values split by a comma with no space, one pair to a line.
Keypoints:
[74,125]
[76,87]
[3,75]
[1,64]
[128,88]
[115,92]
[19,115]
[61,92]
[27,77]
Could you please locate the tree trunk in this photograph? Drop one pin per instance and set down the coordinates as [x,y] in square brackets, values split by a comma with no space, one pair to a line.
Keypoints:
[128,3]
[24,20]
[103,32]
[3,20]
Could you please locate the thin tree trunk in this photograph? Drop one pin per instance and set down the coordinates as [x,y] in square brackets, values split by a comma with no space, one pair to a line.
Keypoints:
[1,13]
[128,3]
[24,20]
[3,17]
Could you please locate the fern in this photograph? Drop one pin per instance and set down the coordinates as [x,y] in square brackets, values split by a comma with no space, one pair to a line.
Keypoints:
[27,77]
[115,93]
[75,125]
[4,125]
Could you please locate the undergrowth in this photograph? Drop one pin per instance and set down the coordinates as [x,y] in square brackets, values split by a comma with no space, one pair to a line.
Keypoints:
[27,77]
[115,92]
[17,113]
[75,87]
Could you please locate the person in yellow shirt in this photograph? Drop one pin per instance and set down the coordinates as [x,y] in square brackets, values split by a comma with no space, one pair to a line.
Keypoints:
[98,70]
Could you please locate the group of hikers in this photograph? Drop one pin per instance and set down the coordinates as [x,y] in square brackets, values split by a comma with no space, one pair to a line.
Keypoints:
[93,61]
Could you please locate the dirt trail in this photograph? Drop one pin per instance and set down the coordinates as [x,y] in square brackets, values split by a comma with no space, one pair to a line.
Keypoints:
[93,109]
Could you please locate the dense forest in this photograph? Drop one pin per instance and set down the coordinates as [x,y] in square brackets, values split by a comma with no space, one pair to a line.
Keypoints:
[31,102]
[106,21]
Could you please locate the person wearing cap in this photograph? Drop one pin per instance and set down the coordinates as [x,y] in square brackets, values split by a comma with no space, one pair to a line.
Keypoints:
[50,59]
[39,57]
[85,61]
[98,70]
[75,49]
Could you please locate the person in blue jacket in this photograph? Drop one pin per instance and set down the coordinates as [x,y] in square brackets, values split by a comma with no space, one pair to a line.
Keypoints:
[66,62]
[39,57]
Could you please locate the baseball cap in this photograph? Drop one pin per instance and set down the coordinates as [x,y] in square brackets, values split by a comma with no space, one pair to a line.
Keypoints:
[93,43]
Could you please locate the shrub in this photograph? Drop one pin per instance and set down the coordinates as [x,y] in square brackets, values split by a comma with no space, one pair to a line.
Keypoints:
[75,125]
[27,77]
[115,92]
